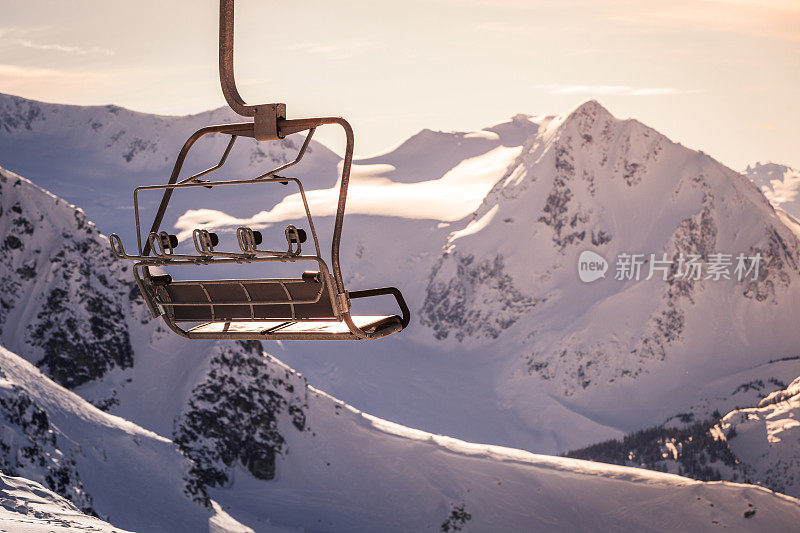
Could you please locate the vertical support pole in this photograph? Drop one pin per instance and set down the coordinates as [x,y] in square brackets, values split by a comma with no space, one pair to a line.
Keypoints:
[265,116]
[226,76]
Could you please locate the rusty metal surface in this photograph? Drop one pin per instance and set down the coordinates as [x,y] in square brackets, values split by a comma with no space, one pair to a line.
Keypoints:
[266,116]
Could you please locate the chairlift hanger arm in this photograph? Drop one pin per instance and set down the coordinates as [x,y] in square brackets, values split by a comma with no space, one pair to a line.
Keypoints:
[266,116]
[226,76]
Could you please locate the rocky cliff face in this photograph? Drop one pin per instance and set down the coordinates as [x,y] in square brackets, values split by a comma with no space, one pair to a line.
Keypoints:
[63,301]
[589,181]
[480,300]
[34,448]
[232,417]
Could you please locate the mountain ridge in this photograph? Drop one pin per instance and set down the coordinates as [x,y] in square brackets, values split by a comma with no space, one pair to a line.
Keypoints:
[675,210]
[298,437]
[97,155]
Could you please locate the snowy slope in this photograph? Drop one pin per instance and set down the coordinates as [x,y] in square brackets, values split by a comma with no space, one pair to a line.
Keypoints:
[766,439]
[320,465]
[127,475]
[275,453]
[343,470]
[27,507]
[779,183]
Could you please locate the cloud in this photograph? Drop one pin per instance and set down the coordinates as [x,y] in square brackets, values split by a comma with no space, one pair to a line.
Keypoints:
[783,5]
[21,37]
[617,90]
[76,50]
[28,73]
[51,84]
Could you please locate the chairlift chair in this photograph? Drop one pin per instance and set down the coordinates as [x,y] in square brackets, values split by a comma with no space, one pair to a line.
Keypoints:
[315,306]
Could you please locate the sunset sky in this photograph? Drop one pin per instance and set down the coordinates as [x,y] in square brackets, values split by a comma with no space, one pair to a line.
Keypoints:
[721,76]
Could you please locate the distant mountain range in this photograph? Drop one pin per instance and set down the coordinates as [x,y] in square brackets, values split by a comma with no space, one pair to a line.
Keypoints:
[93,157]
[482,231]
[243,443]
[757,444]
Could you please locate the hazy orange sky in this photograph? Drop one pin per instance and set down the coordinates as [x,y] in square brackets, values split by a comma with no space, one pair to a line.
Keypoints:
[721,76]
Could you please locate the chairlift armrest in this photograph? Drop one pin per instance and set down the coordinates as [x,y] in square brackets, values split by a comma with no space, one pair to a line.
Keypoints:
[118,250]
[394,291]
[116,247]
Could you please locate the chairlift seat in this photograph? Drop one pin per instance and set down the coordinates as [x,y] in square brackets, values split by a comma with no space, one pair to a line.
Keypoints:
[257,299]
[291,330]
[262,309]
[315,307]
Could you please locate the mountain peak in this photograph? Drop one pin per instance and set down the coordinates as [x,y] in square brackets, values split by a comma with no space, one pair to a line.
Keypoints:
[589,108]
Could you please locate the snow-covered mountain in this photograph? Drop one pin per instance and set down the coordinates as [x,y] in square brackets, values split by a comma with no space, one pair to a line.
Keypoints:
[505,329]
[485,242]
[104,465]
[94,156]
[759,444]
[336,468]
[27,507]
[268,451]
[766,439]
[486,228]
[779,183]
[590,181]
[63,303]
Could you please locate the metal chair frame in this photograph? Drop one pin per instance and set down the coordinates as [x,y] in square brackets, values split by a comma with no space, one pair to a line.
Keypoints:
[269,124]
